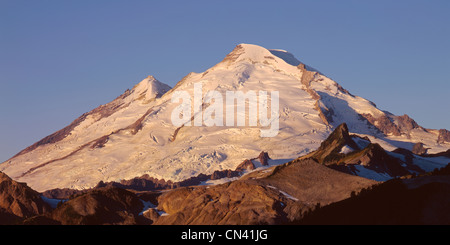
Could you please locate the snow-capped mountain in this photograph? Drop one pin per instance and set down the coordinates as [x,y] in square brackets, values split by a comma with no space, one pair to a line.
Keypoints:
[134,134]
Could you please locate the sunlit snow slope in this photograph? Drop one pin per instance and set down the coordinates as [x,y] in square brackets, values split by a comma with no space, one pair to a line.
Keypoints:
[134,135]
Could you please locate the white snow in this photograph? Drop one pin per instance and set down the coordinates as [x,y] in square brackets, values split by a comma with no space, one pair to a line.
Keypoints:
[371,174]
[147,205]
[284,193]
[430,163]
[362,143]
[218,181]
[346,149]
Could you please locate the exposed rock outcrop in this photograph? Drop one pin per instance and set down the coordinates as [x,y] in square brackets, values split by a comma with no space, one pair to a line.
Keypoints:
[384,124]
[372,157]
[375,157]
[329,149]
[143,183]
[405,123]
[264,158]
[64,193]
[101,206]
[245,165]
[419,149]
[444,136]
[20,200]
[224,174]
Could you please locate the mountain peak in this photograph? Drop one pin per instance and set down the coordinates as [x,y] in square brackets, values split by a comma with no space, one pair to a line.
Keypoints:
[279,59]
[150,88]
[286,56]
[256,53]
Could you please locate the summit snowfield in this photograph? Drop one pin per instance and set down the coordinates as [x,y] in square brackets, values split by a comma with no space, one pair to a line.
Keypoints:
[134,135]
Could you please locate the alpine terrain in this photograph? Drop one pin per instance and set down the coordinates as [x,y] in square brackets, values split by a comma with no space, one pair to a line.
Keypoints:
[133,137]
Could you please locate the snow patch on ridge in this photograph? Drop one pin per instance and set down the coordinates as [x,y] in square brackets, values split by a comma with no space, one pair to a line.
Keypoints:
[346,149]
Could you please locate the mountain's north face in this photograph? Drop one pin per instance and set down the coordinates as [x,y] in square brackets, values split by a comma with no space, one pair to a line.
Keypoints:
[133,135]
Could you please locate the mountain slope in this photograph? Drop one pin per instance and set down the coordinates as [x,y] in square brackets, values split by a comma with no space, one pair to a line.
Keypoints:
[18,201]
[134,134]
[423,200]
[275,196]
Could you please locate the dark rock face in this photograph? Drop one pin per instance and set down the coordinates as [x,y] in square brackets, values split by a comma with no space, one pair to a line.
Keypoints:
[384,124]
[375,157]
[7,218]
[419,149]
[20,200]
[245,165]
[329,149]
[61,193]
[143,183]
[409,156]
[444,136]
[393,125]
[196,180]
[101,206]
[423,200]
[405,123]
[264,158]
[225,174]
[99,143]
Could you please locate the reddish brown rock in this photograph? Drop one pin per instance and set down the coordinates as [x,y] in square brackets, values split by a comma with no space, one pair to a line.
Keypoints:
[375,157]
[330,148]
[19,199]
[264,158]
[224,174]
[444,136]
[101,206]
[64,193]
[405,123]
[245,165]
[419,149]
[383,123]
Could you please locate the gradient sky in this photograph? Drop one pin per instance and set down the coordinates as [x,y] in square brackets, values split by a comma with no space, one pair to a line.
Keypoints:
[62,58]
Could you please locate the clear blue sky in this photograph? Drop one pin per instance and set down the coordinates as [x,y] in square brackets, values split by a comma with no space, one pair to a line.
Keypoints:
[61,58]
